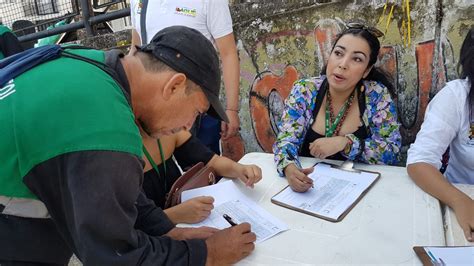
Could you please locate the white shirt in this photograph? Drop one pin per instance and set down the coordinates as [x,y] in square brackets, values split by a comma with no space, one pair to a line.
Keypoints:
[447,124]
[210,17]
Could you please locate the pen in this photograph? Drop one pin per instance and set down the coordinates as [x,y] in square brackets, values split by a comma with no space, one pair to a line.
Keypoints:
[432,257]
[442,262]
[229,220]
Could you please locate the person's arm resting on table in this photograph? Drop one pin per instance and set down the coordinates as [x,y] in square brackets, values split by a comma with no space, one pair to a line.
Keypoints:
[190,151]
[424,159]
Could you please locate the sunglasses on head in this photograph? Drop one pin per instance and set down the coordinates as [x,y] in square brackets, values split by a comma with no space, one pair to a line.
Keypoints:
[357,25]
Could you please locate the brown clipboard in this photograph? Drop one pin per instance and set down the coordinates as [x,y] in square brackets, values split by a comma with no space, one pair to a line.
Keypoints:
[425,258]
[346,166]
[422,255]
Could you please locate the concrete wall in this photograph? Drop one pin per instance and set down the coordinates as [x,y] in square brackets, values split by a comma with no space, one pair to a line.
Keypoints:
[281,41]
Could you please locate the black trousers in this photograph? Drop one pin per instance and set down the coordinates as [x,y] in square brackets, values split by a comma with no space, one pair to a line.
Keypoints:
[207,129]
[28,241]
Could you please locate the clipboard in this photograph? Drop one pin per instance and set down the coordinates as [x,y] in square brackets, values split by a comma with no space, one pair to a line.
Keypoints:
[428,260]
[422,255]
[347,166]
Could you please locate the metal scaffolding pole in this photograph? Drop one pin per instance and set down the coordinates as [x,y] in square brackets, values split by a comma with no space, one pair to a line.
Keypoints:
[76,25]
[86,16]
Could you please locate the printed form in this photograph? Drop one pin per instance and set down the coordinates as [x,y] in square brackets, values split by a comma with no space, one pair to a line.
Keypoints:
[451,255]
[334,191]
[229,200]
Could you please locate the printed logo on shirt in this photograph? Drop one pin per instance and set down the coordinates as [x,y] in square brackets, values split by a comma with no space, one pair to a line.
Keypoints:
[190,12]
[139,7]
[7,90]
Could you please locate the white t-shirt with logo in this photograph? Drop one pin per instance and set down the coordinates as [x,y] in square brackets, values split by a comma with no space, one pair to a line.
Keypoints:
[447,123]
[210,17]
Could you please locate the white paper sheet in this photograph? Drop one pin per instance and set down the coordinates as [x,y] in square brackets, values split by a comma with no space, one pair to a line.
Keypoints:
[334,191]
[451,255]
[229,200]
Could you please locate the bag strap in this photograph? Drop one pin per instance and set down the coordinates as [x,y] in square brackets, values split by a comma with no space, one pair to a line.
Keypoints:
[104,67]
[143,21]
[17,64]
[153,164]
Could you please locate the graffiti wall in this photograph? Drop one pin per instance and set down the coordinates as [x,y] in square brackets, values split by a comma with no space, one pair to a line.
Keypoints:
[420,52]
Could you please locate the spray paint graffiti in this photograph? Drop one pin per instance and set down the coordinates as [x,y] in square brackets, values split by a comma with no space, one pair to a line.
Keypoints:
[266,103]
[424,53]
[233,148]
[269,90]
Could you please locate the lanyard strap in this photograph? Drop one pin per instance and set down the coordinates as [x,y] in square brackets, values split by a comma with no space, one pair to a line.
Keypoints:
[152,162]
[333,125]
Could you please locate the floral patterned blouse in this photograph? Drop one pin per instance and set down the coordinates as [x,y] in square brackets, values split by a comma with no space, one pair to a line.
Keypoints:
[380,117]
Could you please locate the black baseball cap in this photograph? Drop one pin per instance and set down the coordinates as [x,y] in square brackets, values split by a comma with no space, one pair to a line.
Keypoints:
[189,52]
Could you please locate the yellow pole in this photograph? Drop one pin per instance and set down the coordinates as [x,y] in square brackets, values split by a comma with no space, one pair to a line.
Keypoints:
[383,13]
[389,18]
[408,22]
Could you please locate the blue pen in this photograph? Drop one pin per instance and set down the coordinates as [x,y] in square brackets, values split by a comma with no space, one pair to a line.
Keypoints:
[442,262]
[432,257]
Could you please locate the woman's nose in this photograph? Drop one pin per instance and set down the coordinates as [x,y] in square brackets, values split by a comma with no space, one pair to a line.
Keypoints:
[343,63]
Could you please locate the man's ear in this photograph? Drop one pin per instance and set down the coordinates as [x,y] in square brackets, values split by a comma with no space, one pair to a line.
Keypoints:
[175,85]
[367,71]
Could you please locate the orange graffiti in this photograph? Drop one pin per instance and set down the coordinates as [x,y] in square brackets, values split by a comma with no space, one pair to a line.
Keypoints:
[260,109]
[387,62]
[325,34]
[424,57]
[431,75]
[233,148]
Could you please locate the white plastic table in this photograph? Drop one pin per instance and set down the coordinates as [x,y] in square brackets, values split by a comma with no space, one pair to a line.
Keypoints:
[454,233]
[382,228]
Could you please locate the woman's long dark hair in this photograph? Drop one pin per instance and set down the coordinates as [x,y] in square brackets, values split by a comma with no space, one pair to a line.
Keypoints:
[466,61]
[374,44]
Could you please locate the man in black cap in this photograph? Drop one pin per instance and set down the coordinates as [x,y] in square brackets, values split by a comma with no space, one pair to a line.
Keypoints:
[71,156]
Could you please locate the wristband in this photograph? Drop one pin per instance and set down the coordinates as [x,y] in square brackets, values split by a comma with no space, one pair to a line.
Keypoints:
[348,147]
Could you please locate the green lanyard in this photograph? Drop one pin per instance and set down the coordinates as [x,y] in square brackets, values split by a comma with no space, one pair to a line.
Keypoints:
[152,162]
[333,127]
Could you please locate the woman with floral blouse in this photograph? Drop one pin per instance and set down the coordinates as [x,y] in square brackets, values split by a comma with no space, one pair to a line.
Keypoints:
[346,113]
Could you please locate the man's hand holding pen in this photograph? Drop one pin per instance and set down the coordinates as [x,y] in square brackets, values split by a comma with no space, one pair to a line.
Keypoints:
[230,245]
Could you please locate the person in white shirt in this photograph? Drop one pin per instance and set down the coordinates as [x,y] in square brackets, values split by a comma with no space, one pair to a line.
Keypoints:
[449,122]
[212,18]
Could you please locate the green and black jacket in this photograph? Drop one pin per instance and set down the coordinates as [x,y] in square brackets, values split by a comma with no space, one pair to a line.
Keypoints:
[69,145]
